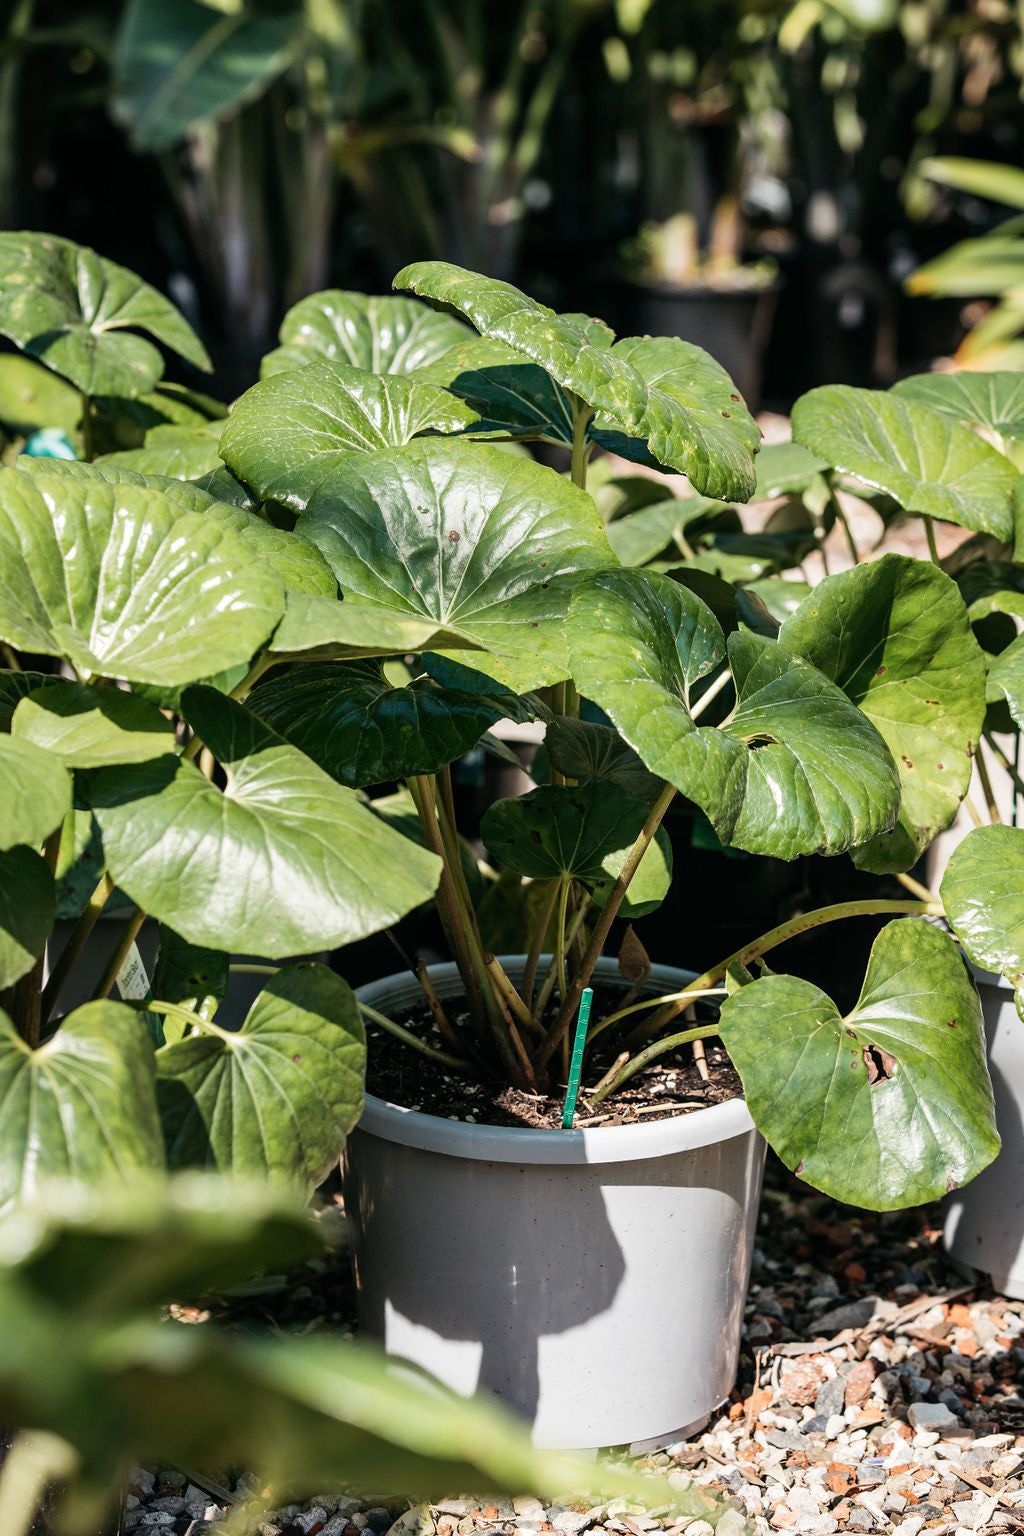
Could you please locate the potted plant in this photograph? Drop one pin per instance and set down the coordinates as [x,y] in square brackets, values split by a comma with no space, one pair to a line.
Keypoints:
[847,727]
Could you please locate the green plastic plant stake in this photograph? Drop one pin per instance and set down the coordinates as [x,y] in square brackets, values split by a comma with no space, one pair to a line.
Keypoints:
[575,1066]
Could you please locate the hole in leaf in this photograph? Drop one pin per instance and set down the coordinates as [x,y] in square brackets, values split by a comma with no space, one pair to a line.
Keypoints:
[881,1066]
[755,743]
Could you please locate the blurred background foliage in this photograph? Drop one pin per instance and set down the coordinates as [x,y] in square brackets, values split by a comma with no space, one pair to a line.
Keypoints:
[242,153]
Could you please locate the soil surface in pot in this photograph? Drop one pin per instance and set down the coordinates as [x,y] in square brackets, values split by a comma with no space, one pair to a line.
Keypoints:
[672,1084]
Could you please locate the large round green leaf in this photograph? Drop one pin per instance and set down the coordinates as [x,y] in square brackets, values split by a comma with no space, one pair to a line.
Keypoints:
[184,453]
[92,727]
[76,311]
[888,1107]
[282,861]
[794,768]
[983,894]
[351,721]
[179,62]
[695,421]
[927,463]
[83,1105]
[994,401]
[383,334]
[288,434]
[670,395]
[28,906]
[894,635]
[36,792]
[328,629]
[465,536]
[123,583]
[277,1097]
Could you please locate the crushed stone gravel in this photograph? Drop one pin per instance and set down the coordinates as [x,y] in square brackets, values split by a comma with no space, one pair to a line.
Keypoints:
[877,1392]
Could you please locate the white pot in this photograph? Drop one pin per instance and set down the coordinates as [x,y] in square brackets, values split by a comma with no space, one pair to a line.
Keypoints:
[984,1226]
[594,1280]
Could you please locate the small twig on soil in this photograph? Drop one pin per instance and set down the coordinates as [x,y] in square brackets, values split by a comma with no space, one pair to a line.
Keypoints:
[700,1060]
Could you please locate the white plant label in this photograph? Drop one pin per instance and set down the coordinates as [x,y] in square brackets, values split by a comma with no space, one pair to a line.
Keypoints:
[132,981]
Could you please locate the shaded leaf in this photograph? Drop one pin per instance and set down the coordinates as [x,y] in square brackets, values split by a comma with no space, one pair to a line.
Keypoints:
[82,1105]
[581,749]
[276,1098]
[362,731]
[179,62]
[888,1107]
[77,313]
[36,792]
[92,727]
[186,974]
[559,831]
[28,906]
[211,863]
[785,469]
[32,397]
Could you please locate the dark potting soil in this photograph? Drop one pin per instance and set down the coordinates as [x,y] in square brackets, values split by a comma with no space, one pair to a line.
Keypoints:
[670,1085]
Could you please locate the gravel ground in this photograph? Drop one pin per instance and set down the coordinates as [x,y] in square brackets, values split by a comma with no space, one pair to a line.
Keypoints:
[876,1393]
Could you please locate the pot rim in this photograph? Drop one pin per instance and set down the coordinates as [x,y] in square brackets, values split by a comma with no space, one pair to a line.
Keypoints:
[528,1144]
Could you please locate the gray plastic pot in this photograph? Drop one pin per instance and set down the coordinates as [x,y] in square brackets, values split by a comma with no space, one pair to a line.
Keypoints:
[594,1280]
[984,1225]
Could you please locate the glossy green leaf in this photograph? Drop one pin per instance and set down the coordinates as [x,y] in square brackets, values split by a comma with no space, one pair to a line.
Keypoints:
[582,749]
[36,792]
[184,453]
[179,62]
[793,768]
[226,487]
[123,583]
[507,394]
[328,629]
[695,421]
[282,862]
[929,464]
[895,636]
[650,884]
[779,596]
[888,1107]
[287,436]
[28,906]
[983,894]
[994,401]
[464,536]
[78,312]
[383,334]
[668,394]
[362,731]
[82,1105]
[92,727]
[32,397]
[277,1097]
